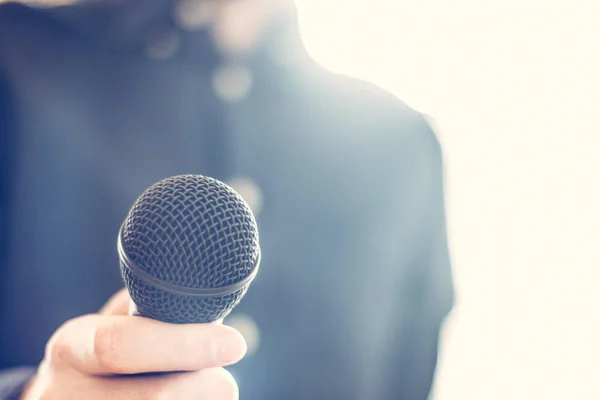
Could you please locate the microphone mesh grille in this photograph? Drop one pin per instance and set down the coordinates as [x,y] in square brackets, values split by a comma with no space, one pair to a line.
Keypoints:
[191,231]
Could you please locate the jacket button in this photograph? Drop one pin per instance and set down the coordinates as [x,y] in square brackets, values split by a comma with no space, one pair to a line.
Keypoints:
[195,15]
[162,45]
[232,83]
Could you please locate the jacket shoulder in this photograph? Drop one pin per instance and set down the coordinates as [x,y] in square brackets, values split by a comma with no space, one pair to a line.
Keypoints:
[374,114]
[24,26]
[14,15]
[20,24]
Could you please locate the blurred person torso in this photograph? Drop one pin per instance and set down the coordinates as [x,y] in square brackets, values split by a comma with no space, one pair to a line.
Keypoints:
[100,99]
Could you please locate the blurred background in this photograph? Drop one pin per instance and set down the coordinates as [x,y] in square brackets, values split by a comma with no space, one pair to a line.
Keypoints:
[513,88]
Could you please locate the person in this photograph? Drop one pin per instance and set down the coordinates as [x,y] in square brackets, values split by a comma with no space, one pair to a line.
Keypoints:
[100,99]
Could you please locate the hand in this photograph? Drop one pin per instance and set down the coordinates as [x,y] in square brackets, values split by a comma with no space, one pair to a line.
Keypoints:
[100,356]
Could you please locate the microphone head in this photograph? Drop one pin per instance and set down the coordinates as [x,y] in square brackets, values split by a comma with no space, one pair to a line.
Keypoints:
[188,250]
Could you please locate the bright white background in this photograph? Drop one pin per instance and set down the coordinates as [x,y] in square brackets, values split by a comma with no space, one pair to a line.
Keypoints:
[514,88]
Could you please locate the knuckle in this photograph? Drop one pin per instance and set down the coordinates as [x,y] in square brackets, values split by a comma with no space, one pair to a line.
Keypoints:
[155,394]
[225,386]
[159,392]
[57,351]
[59,348]
[212,383]
[105,346]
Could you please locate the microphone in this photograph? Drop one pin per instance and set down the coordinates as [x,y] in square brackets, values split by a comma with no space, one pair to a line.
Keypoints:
[188,250]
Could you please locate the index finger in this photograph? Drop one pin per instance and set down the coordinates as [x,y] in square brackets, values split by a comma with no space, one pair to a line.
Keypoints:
[118,304]
[104,345]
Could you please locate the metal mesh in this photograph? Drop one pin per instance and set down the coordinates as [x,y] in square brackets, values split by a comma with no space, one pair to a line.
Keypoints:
[191,231]
[168,307]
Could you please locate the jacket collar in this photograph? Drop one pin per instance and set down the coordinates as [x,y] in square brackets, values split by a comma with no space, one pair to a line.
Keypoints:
[133,25]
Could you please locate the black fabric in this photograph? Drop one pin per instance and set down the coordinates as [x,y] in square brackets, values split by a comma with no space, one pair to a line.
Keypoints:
[7,146]
[13,381]
[355,277]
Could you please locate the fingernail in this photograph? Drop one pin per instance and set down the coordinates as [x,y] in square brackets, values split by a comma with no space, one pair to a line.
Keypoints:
[228,347]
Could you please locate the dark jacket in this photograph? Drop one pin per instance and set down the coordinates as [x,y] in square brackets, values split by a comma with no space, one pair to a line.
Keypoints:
[355,278]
